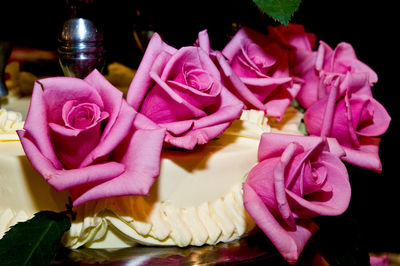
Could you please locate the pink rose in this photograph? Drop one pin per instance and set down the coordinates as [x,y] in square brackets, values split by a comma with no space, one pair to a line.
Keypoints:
[81,135]
[350,114]
[297,178]
[258,71]
[320,69]
[182,91]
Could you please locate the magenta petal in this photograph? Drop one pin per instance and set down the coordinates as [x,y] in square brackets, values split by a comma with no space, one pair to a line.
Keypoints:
[280,99]
[39,162]
[64,130]
[344,55]
[36,124]
[365,156]
[67,179]
[273,144]
[203,129]
[330,203]
[142,81]
[116,134]
[197,136]
[204,41]
[238,87]
[59,90]
[279,182]
[112,97]
[379,116]
[141,155]
[72,150]
[162,104]
[356,83]
[234,45]
[178,127]
[289,244]
[314,117]
[188,55]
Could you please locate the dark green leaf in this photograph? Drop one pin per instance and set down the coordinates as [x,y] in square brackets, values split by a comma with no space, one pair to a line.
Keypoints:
[34,242]
[280,10]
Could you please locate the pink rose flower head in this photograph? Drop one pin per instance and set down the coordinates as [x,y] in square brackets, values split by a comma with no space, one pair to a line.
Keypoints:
[320,71]
[183,92]
[258,72]
[81,135]
[355,119]
[297,178]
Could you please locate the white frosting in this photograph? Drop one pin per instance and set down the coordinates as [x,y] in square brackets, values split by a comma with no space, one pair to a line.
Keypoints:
[10,122]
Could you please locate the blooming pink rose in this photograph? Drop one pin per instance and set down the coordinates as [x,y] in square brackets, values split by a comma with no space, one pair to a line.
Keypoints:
[182,91]
[354,119]
[323,67]
[297,178]
[259,73]
[81,135]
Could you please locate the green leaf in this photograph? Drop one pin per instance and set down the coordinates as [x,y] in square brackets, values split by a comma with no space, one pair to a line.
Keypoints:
[34,242]
[279,10]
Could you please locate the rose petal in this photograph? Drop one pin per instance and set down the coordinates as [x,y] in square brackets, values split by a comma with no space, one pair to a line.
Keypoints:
[204,41]
[116,134]
[36,124]
[379,116]
[141,81]
[36,157]
[366,155]
[233,46]
[326,203]
[273,144]
[279,182]
[163,105]
[140,153]
[197,136]
[238,87]
[289,244]
[59,90]
[67,179]
[345,56]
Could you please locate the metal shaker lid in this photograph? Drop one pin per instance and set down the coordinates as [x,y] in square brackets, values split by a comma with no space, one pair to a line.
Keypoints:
[80,30]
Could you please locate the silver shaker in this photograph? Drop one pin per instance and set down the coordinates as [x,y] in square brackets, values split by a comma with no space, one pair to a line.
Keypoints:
[81,45]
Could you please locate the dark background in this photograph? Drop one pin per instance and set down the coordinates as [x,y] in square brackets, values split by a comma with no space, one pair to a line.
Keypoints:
[371,27]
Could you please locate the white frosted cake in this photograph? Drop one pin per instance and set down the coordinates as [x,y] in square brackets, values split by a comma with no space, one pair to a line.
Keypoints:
[196,200]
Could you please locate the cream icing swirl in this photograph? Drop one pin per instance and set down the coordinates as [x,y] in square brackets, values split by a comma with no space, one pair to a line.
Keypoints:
[114,221]
[10,121]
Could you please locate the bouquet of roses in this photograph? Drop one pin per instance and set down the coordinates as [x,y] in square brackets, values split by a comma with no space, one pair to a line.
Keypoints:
[82,135]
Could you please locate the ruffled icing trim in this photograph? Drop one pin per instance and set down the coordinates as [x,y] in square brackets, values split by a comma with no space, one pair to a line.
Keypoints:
[133,220]
[9,217]
[10,121]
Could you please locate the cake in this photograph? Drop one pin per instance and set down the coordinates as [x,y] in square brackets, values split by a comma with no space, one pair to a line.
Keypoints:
[209,146]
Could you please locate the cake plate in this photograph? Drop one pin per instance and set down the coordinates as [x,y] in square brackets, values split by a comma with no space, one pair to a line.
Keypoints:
[255,249]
